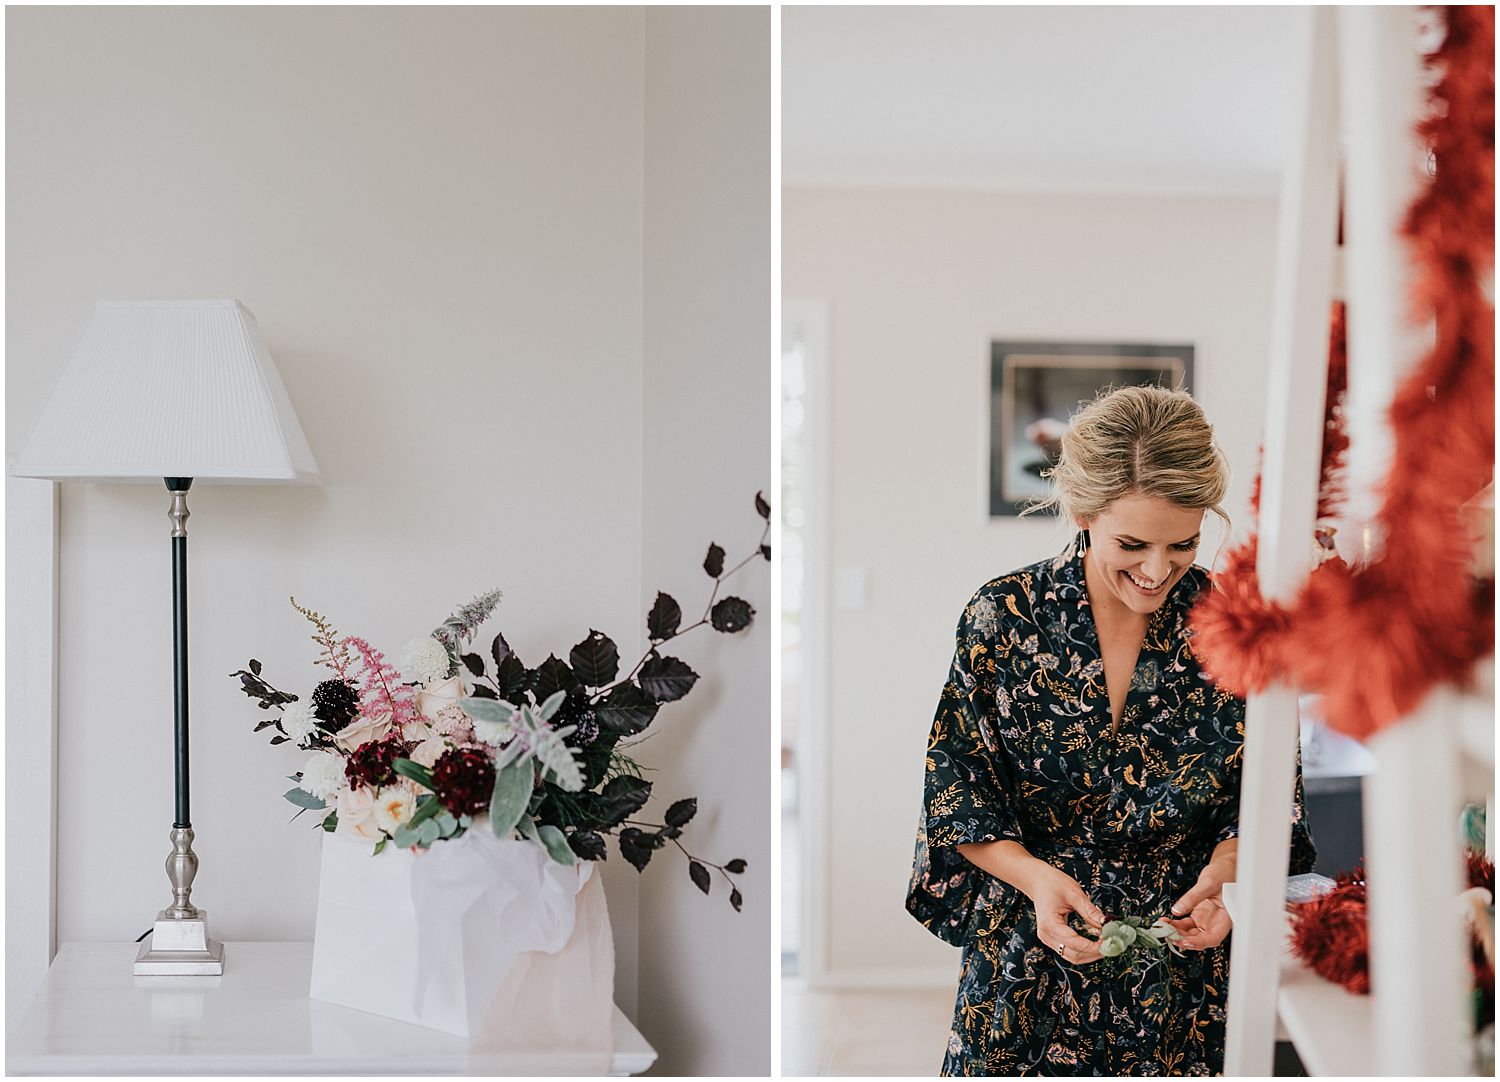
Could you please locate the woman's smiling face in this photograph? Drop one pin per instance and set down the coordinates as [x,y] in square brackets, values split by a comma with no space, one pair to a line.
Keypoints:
[1139,546]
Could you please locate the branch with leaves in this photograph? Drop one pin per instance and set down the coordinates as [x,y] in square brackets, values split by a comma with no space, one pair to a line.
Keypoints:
[531,751]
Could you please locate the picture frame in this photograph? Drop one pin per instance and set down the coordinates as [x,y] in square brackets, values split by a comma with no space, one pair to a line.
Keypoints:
[1035,386]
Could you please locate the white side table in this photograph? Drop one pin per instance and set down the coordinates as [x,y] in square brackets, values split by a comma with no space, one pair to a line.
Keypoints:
[92,1017]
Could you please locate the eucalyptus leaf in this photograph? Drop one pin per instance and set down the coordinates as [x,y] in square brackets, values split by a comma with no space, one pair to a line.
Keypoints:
[303,799]
[428,832]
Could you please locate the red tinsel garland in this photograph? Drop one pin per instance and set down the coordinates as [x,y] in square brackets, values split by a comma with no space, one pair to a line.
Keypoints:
[1376,639]
[1331,933]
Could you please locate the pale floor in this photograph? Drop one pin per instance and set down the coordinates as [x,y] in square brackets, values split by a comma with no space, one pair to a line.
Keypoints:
[865,1032]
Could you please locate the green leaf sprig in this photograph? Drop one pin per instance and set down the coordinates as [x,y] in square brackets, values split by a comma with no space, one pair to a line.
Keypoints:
[1127,942]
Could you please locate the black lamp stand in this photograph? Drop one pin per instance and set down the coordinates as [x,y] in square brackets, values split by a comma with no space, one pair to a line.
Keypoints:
[179,944]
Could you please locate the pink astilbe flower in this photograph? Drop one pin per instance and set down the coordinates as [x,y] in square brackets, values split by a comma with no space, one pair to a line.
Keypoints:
[382,687]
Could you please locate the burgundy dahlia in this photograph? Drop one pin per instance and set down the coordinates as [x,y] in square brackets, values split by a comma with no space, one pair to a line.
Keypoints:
[463,780]
[373,763]
[334,704]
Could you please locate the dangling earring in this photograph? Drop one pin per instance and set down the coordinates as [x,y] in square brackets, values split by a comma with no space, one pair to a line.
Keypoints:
[1083,543]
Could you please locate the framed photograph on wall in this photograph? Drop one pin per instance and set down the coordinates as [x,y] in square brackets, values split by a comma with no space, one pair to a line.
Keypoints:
[1036,386]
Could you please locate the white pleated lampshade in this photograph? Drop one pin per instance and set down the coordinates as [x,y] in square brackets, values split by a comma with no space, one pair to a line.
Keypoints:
[169,389]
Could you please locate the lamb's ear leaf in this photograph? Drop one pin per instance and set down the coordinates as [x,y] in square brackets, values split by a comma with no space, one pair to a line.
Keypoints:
[512,792]
[487,709]
[552,704]
[557,844]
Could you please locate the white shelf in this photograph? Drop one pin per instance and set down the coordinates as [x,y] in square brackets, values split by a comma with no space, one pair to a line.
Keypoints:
[1331,1028]
[92,1017]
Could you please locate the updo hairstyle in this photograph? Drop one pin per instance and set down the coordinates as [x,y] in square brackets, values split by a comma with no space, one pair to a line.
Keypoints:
[1139,439]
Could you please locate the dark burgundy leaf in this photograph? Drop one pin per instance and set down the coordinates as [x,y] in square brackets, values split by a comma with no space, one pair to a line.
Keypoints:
[280,739]
[620,798]
[681,813]
[667,679]
[595,660]
[510,676]
[267,724]
[627,709]
[765,550]
[474,663]
[499,649]
[731,614]
[482,692]
[735,866]
[762,506]
[665,617]
[736,899]
[551,676]
[255,666]
[262,692]
[700,875]
[588,844]
[635,848]
[713,563]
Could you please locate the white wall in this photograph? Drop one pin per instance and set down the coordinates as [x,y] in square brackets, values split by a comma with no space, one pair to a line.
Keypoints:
[707,451]
[917,284]
[437,215]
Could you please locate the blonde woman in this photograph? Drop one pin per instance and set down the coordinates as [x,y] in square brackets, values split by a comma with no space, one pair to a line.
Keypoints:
[1082,767]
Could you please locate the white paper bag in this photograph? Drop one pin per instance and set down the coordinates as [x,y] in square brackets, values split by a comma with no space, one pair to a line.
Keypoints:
[481,937]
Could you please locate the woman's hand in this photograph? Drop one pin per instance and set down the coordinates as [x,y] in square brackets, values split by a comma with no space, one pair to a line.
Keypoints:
[1055,894]
[1200,914]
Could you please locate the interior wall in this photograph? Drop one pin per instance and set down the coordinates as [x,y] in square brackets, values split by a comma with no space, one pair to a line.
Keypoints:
[706,969]
[436,215]
[917,284]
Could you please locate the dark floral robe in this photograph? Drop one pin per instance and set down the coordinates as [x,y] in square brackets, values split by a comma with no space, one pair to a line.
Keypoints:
[1022,748]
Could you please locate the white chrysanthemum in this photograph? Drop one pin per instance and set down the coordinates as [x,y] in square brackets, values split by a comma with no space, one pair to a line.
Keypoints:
[425,660]
[298,722]
[322,775]
[493,732]
[394,805]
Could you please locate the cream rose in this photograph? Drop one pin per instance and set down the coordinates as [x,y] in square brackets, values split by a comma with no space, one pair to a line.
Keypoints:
[432,700]
[356,808]
[428,751]
[364,730]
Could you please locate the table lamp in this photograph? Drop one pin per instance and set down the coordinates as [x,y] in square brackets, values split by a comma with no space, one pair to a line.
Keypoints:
[181,391]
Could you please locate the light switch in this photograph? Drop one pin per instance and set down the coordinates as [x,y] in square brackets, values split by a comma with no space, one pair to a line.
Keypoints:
[853,588]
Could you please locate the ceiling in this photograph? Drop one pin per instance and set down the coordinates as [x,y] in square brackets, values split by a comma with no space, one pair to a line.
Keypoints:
[1109,99]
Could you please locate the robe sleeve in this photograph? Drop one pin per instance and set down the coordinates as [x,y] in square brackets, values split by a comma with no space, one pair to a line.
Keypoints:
[965,798]
[1303,852]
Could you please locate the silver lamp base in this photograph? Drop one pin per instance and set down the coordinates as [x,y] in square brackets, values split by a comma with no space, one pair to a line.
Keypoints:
[179,946]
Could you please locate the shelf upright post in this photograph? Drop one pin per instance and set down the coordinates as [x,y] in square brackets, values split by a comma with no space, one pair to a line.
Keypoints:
[1288,506]
[1411,802]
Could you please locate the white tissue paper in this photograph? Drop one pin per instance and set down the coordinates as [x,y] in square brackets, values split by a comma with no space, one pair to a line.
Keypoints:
[481,937]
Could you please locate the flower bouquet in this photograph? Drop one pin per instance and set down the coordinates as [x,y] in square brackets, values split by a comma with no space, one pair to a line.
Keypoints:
[494,786]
